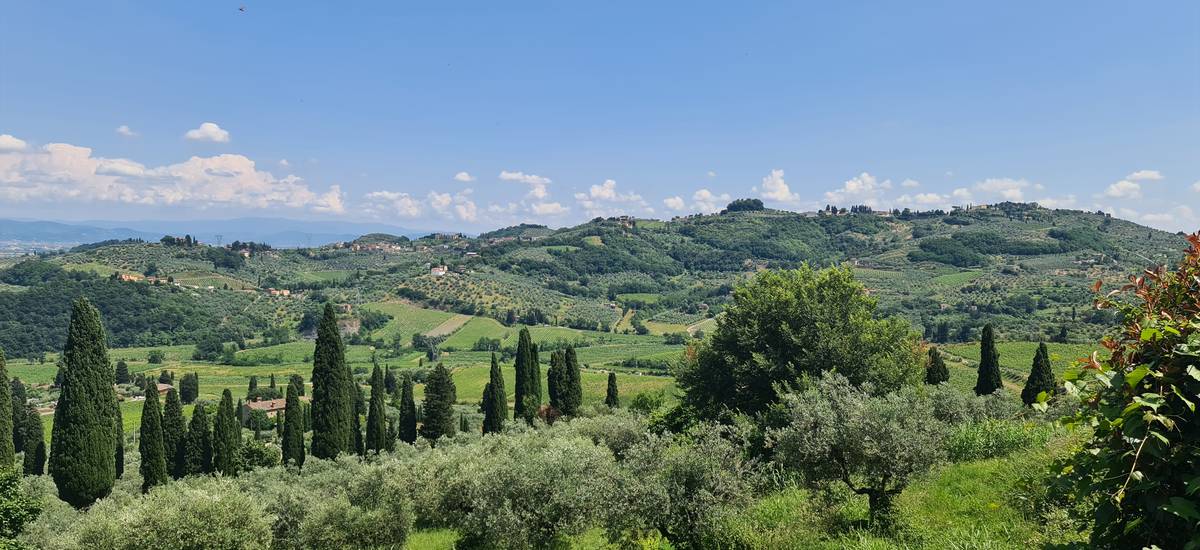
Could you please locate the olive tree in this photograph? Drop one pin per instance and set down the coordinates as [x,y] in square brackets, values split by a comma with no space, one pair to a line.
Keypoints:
[838,432]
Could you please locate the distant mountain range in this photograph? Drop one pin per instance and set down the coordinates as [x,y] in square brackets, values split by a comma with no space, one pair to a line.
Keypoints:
[30,235]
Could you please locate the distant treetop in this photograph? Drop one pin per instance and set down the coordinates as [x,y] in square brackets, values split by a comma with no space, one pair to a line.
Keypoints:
[745,205]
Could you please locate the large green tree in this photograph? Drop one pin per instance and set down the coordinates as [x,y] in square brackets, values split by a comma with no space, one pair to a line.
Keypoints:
[495,400]
[525,405]
[150,441]
[935,370]
[988,380]
[440,396]
[1041,377]
[377,413]
[293,428]
[174,428]
[332,399]
[7,426]
[199,451]
[227,436]
[611,398]
[83,443]
[784,325]
[408,411]
[19,397]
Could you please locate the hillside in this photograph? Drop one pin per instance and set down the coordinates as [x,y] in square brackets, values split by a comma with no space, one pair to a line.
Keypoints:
[1024,268]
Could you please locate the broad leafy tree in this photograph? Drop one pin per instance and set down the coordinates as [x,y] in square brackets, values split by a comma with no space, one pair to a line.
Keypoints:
[784,325]
[83,440]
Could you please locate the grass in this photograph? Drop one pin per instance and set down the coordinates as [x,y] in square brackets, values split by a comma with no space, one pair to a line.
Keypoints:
[323,276]
[658,328]
[644,297]
[1018,356]
[955,279]
[449,326]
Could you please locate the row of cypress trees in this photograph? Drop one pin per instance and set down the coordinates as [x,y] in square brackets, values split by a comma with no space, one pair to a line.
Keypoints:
[988,378]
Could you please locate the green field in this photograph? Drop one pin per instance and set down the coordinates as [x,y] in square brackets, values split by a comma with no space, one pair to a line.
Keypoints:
[1018,356]
[644,297]
[407,320]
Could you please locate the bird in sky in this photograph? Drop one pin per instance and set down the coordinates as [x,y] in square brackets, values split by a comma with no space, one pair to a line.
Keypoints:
[242,9]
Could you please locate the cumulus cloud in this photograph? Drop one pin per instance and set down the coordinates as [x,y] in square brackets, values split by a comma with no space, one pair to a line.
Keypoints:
[391,202]
[707,201]
[126,131]
[1179,218]
[283,163]
[9,144]
[1008,189]
[962,194]
[862,189]
[775,188]
[61,171]
[712,174]
[1067,201]
[674,203]
[1124,189]
[537,184]
[464,177]
[458,205]
[548,208]
[604,200]
[923,200]
[910,184]
[1145,175]
[208,131]
[1196,186]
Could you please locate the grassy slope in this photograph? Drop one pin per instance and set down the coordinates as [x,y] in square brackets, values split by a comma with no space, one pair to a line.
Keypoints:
[406,320]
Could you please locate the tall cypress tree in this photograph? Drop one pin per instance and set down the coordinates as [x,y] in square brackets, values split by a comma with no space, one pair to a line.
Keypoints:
[174,429]
[122,372]
[150,441]
[35,437]
[407,431]
[119,442]
[389,381]
[572,382]
[376,413]
[535,380]
[198,458]
[293,428]
[227,436]
[1041,377]
[7,431]
[495,403]
[989,364]
[18,411]
[440,396]
[253,385]
[360,409]
[299,382]
[556,381]
[611,398]
[522,364]
[272,386]
[936,371]
[332,403]
[83,442]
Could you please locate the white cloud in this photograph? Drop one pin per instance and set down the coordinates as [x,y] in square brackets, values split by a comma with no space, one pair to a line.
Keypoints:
[712,174]
[510,208]
[1124,189]
[604,200]
[400,204]
[283,163]
[548,208]
[464,177]
[208,131]
[775,188]
[126,131]
[674,203]
[1180,218]
[1008,189]
[1067,201]
[1141,175]
[61,171]
[910,183]
[531,179]
[922,200]
[862,189]
[1196,187]
[457,205]
[962,194]
[707,201]
[10,144]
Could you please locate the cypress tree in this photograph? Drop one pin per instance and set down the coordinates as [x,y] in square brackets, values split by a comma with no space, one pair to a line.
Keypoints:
[521,363]
[360,406]
[495,404]
[189,388]
[389,381]
[293,428]
[174,429]
[8,428]
[407,431]
[122,372]
[556,381]
[150,442]
[119,431]
[572,382]
[199,451]
[376,413]
[462,423]
[535,379]
[298,381]
[989,364]
[253,386]
[610,397]
[1041,377]
[332,403]
[440,396]
[83,442]
[272,386]
[35,436]
[227,436]
[18,411]
[936,371]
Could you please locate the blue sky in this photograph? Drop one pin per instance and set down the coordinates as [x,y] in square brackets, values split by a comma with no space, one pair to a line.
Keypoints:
[473,115]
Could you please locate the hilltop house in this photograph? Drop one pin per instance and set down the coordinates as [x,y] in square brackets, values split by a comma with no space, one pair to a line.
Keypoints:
[438,270]
[271,406]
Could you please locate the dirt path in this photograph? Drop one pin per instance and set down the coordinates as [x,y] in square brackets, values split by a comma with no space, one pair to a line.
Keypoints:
[449,325]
